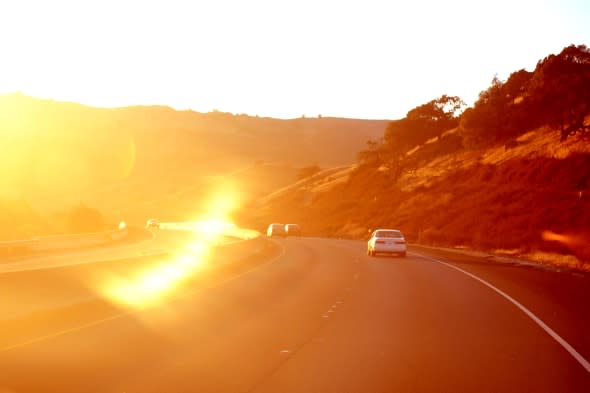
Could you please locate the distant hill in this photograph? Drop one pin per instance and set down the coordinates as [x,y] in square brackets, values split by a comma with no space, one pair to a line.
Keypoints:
[136,162]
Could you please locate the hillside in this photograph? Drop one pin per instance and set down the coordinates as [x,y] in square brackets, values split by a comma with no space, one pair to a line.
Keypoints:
[511,173]
[138,162]
[493,198]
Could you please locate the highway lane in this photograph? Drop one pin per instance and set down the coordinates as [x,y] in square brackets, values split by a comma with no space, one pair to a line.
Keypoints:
[42,296]
[559,297]
[57,280]
[148,244]
[321,316]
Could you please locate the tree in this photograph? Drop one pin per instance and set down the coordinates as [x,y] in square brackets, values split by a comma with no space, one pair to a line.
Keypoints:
[556,94]
[561,90]
[370,155]
[480,123]
[85,219]
[424,122]
[501,112]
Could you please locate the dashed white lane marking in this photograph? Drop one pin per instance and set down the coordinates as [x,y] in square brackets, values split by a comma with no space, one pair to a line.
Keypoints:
[137,311]
[561,341]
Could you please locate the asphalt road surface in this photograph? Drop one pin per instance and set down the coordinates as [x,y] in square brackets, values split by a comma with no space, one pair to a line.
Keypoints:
[299,315]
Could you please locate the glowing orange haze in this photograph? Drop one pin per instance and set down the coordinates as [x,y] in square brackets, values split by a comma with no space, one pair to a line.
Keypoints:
[56,152]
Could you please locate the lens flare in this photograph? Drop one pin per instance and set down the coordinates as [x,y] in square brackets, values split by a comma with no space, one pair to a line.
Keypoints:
[221,202]
[555,237]
[154,285]
[577,243]
[212,229]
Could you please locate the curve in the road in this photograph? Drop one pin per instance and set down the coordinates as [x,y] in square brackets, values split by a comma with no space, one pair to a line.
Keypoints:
[561,341]
[322,316]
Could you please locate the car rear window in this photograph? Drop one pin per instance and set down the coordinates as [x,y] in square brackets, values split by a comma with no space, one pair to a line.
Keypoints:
[391,234]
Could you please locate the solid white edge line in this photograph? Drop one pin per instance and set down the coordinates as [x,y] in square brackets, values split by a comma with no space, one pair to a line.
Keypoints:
[561,341]
[139,310]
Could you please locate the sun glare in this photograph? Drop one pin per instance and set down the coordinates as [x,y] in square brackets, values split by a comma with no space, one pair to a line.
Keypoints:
[213,227]
[153,286]
[52,148]
[221,203]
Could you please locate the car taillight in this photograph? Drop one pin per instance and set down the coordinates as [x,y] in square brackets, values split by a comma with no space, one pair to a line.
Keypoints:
[401,242]
[380,241]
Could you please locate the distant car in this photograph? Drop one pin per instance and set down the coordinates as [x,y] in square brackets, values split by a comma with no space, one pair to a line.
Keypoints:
[276,230]
[387,241]
[292,230]
[152,223]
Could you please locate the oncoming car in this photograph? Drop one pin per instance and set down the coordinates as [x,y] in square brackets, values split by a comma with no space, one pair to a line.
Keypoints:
[387,241]
[152,223]
[292,230]
[276,230]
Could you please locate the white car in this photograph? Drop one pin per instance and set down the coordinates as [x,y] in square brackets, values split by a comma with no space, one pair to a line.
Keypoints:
[292,230]
[387,241]
[276,230]
[152,223]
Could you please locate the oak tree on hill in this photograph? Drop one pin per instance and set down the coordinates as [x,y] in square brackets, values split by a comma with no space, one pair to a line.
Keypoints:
[424,122]
[421,124]
[502,112]
[561,90]
[556,94]
[85,219]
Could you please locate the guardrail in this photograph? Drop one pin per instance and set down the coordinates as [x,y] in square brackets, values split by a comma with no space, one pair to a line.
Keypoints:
[16,247]
[41,244]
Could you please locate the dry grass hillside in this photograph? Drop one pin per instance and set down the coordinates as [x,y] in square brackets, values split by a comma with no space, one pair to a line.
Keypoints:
[512,198]
[139,162]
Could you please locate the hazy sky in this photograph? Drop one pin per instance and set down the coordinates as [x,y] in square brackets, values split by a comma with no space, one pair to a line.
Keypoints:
[278,58]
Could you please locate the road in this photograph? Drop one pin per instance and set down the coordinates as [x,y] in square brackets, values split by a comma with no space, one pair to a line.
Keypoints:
[300,315]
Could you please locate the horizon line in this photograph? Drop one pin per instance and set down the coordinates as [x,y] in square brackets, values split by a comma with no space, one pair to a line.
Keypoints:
[182,109]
